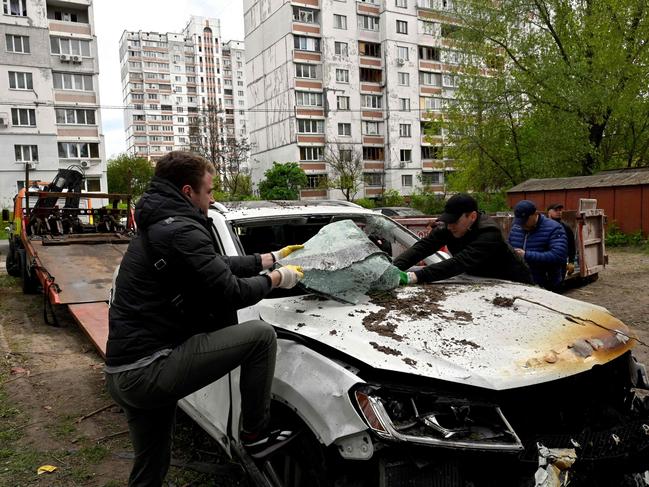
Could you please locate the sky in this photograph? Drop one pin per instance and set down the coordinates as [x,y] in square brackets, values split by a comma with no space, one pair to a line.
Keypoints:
[112,17]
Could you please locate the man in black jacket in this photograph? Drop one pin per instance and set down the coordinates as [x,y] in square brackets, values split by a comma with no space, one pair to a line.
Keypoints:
[554,212]
[475,242]
[173,318]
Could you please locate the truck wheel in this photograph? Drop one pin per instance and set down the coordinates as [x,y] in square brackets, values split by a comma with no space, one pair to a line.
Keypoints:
[12,263]
[29,282]
[301,463]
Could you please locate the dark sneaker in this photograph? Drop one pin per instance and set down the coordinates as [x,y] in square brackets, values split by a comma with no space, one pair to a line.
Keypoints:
[263,444]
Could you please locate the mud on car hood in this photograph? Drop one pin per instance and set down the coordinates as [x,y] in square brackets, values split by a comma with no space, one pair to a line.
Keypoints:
[491,334]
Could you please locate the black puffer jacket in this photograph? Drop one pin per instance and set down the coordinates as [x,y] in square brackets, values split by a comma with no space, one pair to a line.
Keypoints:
[212,287]
[482,251]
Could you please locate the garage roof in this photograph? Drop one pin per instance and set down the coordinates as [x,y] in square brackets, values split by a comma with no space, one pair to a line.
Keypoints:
[621,177]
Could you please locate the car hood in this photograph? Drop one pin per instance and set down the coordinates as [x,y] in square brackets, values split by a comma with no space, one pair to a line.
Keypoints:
[491,334]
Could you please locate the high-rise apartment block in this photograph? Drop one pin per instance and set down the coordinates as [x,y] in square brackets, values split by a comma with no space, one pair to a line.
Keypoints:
[359,76]
[172,81]
[49,94]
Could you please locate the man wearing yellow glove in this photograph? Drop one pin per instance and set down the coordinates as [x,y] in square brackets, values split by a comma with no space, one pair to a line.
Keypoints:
[173,318]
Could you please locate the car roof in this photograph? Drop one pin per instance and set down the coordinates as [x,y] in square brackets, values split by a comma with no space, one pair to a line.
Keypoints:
[239,210]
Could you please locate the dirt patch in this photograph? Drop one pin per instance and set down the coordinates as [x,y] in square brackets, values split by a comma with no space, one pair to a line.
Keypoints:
[503,302]
[385,350]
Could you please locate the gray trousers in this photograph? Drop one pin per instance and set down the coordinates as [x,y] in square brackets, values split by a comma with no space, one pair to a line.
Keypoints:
[148,395]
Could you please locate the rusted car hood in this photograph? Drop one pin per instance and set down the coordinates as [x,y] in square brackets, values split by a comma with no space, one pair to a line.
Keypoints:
[489,334]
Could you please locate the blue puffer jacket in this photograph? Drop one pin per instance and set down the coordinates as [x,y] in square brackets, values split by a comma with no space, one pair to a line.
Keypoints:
[546,250]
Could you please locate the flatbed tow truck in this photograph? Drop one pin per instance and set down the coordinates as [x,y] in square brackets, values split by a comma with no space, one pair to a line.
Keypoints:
[67,245]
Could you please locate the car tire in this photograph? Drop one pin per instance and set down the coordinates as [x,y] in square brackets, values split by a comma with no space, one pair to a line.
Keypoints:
[12,262]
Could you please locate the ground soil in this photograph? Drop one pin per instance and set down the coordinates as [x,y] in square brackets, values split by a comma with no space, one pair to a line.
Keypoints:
[51,377]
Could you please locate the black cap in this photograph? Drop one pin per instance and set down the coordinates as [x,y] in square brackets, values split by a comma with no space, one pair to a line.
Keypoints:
[457,206]
[555,206]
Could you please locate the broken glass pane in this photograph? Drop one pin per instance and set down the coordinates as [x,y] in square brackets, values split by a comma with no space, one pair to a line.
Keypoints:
[341,262]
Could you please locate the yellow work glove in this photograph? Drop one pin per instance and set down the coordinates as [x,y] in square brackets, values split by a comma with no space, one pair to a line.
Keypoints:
[286,251]
[291,275]
[570,268]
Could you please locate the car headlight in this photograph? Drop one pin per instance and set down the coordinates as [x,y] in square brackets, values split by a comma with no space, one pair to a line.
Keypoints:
[426,418]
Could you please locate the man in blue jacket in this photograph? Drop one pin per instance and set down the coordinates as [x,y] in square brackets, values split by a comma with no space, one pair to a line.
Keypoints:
[541,242]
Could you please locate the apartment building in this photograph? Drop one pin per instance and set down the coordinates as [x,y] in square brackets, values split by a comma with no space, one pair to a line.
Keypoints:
[359,76]
[49,94]
[172,81]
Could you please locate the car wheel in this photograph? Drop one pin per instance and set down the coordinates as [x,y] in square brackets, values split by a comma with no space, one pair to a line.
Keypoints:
[12,263]
[301,463]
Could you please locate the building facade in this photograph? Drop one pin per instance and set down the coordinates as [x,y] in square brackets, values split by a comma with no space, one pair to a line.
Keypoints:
[49,94]
[363,77]
[177,87]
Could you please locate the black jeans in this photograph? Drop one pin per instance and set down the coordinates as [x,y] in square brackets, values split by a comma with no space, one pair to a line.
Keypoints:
[148,395]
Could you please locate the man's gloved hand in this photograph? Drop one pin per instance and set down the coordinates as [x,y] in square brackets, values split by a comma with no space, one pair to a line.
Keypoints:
[286,251]
[291,275]
[406,278]
[571,269]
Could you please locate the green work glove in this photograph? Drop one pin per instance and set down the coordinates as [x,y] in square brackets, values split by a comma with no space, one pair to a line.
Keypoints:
[286,251]
[403,278]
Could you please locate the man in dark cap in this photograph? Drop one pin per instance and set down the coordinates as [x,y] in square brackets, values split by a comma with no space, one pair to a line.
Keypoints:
[541,242]
[475,242]
[554,211]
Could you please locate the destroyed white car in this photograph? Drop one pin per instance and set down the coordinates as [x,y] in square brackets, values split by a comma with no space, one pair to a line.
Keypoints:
[463,382]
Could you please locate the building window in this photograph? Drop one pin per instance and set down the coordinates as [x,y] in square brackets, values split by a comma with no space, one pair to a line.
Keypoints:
[342,102]
[340,48]
[373,153]
[404,104]
[368,22]
[371,75]
[23,117]
[431,178]
[310,126]
[303,43]
[345,155]
[371,128]
[306,16]
[17,43]
[316,181]
[430,103]
[370,49]
[20,81]
[311,153]
[371,101]
[66,16]
[72,116]
[69,81]
[373,179]
[406,180]
[405,155]
[26,153]
[401,3]
[93,185]
[429,53]
[450,81]
[15,7]
[404,130]
[431,28]
[342,75]
[307,99]
[402,27]
[430,79]
[432,152]
[345,129]
[340,22]
[402,53]
[404,79]
[78,150]
[65,45]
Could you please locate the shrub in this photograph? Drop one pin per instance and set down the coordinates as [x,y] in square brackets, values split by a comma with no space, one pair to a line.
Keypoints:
[366,203]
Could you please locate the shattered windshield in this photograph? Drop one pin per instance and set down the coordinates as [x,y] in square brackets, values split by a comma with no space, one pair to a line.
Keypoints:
[343,262]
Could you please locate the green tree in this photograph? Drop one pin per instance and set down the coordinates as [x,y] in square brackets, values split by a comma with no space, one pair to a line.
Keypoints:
[282,182]
[392,197]
[126,173]
[549,88]
[346,164]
